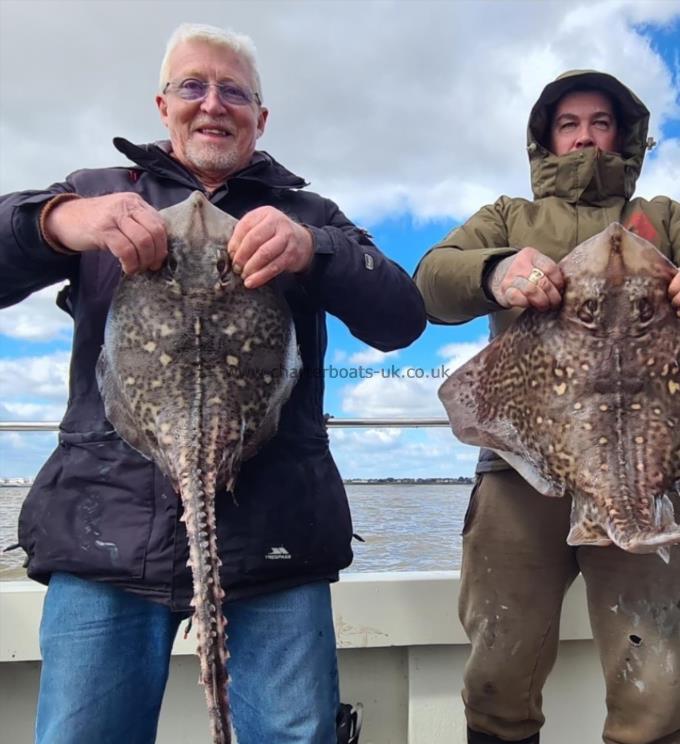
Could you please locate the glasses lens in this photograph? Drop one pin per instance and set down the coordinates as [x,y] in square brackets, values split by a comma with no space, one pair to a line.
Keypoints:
[192,90]
[230,93]
[196,90]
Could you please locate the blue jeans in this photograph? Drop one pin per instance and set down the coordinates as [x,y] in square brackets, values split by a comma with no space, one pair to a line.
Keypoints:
[106,655]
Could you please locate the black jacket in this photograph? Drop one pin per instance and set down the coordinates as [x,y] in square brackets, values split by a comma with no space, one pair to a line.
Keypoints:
[98,509]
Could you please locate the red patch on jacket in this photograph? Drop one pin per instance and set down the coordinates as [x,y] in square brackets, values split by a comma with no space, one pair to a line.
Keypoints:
[641,225]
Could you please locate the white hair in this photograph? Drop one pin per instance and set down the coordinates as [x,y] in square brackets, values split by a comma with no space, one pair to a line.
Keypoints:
[240,44]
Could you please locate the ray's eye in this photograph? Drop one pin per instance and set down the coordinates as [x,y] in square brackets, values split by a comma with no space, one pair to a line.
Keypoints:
[172,264]
[222,267]
[587,311]
[645,310]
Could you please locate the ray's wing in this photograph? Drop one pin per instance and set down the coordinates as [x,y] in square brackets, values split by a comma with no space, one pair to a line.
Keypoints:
[130,391]
[117,408]
[491,399]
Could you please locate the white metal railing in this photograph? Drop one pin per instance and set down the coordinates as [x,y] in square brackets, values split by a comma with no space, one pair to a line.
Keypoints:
[29,425]
[331,421]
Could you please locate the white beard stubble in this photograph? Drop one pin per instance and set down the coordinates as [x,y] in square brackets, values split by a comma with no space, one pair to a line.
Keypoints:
[206,158]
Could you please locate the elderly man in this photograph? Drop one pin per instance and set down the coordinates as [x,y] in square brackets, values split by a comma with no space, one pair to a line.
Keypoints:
[110,616]
[586,140]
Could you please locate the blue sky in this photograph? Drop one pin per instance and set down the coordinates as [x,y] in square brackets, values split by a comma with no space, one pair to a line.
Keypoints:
[411,123]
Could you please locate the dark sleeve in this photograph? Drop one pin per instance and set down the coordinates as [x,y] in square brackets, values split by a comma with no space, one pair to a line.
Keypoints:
[351,279]
[27,263]
[451,274]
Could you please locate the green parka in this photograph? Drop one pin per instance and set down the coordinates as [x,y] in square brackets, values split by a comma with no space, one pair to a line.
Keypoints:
[576,196]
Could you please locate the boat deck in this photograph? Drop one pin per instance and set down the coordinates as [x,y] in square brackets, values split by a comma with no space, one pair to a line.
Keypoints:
[401,653]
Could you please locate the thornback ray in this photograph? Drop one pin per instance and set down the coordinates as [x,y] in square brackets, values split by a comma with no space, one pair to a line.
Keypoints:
[193,373]
[584,400]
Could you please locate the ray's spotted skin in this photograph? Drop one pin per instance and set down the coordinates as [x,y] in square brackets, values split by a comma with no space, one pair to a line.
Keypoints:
[585,400]
[194,371]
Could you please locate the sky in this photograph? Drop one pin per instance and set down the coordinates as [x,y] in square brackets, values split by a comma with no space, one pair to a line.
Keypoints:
[410,115]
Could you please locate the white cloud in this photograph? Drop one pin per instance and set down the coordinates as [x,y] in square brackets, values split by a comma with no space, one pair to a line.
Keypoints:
[661,174]
[11,411]
[421,107]
[582,16]
[393,397]
[26,379]
[382,438]
[36,318]
[411,392]
[377,453]
[458,353]
[371,356]
[22,455]
[31,389]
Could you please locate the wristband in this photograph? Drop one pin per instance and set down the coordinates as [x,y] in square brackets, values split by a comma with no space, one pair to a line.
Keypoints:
[47,208]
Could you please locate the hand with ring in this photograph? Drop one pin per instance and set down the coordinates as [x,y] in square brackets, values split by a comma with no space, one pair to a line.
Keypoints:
[527,279]
[535,275]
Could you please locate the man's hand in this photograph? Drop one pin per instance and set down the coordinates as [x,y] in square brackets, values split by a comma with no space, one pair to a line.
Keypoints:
[265,243]
[674,292]
[527,279]
[123,224]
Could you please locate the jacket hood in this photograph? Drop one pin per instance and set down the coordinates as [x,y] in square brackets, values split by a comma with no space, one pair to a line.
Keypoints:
[156,158]
[588,175]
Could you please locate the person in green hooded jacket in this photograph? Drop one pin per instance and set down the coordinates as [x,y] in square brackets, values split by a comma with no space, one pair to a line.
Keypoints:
[587,138]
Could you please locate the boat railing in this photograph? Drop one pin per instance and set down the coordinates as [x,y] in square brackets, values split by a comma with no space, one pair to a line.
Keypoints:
[331,422]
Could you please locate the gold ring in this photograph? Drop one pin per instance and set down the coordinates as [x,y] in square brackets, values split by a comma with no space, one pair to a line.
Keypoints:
[535,275]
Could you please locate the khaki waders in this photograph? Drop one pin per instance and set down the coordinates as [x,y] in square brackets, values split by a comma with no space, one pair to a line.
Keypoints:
[516,570]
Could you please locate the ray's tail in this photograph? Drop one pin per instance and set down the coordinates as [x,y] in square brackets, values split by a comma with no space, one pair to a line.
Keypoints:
[198,497]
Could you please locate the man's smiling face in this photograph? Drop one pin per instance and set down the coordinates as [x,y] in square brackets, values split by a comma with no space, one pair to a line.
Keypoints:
[211,138]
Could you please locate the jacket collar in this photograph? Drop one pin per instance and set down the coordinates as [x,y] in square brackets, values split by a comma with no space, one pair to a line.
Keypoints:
[589,175]
[155,157]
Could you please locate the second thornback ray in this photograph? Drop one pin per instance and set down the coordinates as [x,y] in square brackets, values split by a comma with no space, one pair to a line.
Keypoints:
[584,400]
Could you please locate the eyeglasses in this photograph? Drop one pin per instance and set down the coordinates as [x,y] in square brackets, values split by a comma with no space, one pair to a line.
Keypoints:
[197,90]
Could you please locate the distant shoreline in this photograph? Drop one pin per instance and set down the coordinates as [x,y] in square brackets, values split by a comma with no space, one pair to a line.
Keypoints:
[460,480]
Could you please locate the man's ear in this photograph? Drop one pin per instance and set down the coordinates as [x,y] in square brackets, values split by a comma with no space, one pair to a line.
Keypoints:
[162,106]
[262,121]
